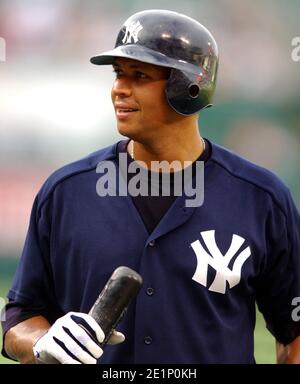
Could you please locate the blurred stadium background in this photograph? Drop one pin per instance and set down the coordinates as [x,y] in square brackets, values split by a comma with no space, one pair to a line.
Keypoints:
[55,106]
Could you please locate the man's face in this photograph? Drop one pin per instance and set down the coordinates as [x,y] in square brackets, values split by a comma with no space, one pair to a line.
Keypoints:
[139,99]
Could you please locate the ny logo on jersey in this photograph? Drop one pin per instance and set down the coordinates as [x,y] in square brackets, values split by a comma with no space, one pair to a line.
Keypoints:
[132,31]
[219,262]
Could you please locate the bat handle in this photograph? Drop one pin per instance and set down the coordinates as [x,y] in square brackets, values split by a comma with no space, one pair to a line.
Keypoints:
[113,301]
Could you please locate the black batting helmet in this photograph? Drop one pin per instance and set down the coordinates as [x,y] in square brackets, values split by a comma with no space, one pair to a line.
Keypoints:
[173,40]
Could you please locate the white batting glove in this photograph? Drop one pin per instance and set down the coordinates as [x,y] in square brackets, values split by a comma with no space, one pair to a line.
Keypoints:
[73,339]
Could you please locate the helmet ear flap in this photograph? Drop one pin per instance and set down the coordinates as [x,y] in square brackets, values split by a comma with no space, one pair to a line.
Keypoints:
[186,93]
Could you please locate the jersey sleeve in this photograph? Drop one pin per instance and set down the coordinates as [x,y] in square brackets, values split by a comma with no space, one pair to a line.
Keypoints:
[33,283]
[279,283]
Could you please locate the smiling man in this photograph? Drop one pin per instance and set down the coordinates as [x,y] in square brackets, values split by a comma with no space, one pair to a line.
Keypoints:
[204,266]
[157,131]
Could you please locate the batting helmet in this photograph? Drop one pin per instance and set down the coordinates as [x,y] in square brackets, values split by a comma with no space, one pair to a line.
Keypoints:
[173,40]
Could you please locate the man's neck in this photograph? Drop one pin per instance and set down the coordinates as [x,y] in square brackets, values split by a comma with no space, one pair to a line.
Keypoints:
[182,148]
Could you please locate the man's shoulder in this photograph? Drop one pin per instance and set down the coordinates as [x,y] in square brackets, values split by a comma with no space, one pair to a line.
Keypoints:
[240,168]
[85,164]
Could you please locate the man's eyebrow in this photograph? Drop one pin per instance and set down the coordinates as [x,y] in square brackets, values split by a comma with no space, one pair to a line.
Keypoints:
[132,66]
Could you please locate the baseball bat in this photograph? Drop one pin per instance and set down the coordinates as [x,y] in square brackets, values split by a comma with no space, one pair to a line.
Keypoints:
[113,301]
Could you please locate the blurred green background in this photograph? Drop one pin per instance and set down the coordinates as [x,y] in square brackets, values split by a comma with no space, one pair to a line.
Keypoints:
[55,106]
[7,269]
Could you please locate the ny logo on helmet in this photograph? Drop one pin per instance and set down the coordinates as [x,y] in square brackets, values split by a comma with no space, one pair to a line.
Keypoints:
[132,31]
[219,262]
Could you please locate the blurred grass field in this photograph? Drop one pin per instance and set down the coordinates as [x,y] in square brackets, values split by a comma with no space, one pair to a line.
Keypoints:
[5,282]
[264,342]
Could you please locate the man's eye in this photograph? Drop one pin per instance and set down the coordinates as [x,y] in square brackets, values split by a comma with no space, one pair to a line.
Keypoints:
[141,75]
[117,72]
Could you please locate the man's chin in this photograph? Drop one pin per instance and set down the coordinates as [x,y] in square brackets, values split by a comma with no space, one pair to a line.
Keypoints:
[126,130]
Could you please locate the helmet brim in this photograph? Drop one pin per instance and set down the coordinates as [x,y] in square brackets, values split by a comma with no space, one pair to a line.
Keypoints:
[146,55]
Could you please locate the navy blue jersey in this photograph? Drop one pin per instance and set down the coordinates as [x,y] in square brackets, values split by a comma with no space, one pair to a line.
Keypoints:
[203,267]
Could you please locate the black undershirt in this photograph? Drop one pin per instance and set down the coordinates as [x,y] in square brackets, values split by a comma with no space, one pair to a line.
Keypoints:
[153,208]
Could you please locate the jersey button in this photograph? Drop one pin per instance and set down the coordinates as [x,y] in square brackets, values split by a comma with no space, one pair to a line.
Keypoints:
[150,291]
[148,340]
[152,243]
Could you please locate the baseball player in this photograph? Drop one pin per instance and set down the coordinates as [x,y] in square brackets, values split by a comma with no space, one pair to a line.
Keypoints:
[204,266]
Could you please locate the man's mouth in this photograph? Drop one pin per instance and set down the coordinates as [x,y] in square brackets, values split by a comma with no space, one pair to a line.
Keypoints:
[127,109]
[125,113]
[122,110]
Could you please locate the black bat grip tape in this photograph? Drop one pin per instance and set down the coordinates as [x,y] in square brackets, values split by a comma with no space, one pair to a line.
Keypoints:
[113,301]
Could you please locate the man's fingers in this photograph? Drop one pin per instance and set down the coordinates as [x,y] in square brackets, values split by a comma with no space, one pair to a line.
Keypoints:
[73,339]
[89,324]
[116,338]
[79,333]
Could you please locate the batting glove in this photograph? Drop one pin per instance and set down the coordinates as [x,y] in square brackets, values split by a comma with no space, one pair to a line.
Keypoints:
[73,339]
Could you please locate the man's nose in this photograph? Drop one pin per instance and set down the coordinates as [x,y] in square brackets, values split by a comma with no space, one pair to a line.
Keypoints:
[122,87]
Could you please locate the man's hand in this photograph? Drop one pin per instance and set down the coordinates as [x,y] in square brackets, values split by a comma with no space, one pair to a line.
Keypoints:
[289,354]
[73,339]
